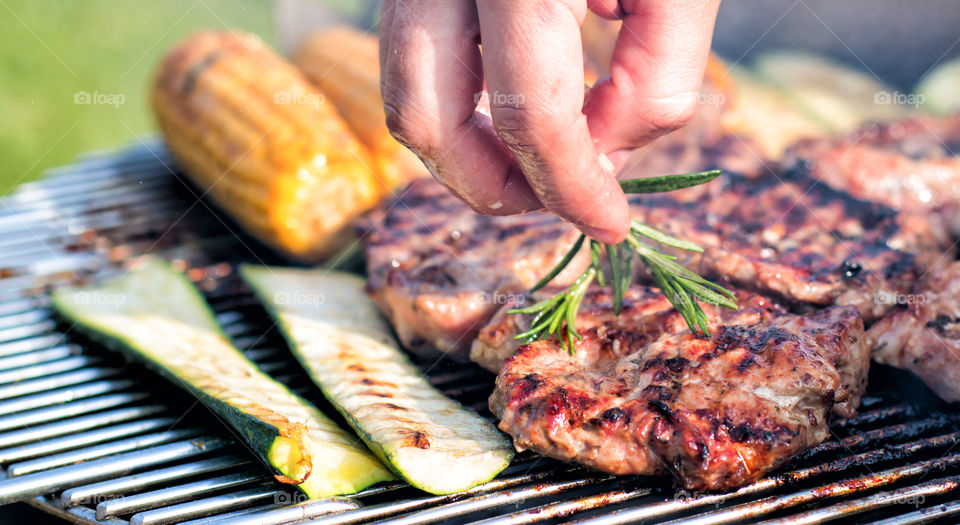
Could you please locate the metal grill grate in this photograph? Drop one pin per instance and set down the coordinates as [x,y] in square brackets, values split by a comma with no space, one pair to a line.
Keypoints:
[87,437]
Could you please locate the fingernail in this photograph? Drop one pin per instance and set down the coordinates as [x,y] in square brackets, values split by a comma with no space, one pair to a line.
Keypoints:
[603,235]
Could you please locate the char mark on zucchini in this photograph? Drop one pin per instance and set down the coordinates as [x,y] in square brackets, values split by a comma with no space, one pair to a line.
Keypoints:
[159,318]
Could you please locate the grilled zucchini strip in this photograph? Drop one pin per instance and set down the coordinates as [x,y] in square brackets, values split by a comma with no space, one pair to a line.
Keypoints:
[336,332]
[155,315]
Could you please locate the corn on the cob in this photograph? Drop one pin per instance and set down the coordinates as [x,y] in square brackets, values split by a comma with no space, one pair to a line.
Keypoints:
[256,136]
[345,65]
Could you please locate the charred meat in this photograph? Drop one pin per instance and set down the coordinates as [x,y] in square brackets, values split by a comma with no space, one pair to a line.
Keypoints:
[439,271]
[641,395]
[923,334]
[912,165]
[799,239]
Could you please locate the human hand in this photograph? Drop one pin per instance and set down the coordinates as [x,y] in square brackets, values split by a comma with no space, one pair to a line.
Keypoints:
[541,145]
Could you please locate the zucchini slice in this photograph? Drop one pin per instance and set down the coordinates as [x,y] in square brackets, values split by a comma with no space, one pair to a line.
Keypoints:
[338,335]
[155,315]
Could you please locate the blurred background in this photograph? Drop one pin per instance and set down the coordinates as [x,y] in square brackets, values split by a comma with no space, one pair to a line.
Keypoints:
[75,74]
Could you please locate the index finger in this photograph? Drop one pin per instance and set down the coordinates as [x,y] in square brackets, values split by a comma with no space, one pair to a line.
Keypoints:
[533,64]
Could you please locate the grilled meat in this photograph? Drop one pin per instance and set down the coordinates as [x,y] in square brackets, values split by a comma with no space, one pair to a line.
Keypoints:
[923,334]
[799,239]
[911,165]
[643,395]
[439,271]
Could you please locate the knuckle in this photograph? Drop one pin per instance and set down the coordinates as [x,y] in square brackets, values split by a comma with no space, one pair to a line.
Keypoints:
[672,113]
[523,126]
[407,123]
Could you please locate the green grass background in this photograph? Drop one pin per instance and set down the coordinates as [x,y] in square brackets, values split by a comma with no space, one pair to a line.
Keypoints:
[53,49]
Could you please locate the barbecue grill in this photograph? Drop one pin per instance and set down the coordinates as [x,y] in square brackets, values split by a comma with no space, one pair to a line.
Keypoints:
[91,439]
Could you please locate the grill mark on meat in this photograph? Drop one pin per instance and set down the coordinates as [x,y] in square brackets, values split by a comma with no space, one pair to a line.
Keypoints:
[434,264]
[799,239]
[666,397]
[940,323]
[432,260]
[909,165]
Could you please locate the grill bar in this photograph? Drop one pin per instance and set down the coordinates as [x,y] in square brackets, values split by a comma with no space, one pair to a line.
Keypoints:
[103,489]
[63,395]
[69,426]
[566,508]
[490,501]
[842,488]
[73,441]
[207,506]
[944,511]
[904,496]
[99,451]
[76,376]
[277,514]
[58,412]
[171,495]
[46,369]
[33,485]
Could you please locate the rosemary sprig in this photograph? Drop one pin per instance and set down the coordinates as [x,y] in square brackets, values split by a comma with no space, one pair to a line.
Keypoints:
[556,316]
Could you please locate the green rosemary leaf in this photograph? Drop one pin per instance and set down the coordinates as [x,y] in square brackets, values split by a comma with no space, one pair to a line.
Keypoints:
[667,240]
[556,316]
[616,279]
[668,182]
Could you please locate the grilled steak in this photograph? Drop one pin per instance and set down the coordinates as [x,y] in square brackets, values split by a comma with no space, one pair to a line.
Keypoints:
[923,334]
[439,271]
[799,239]
[911,165]
[717,412]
